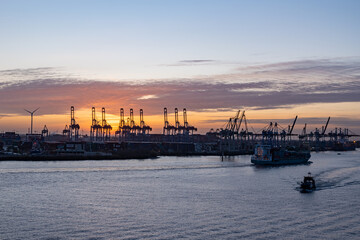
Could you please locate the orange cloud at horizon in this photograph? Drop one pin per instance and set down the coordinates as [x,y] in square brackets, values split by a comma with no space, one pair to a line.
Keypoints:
[315,115]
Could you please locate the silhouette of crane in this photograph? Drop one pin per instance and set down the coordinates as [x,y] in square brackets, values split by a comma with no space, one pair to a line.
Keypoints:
[32,114]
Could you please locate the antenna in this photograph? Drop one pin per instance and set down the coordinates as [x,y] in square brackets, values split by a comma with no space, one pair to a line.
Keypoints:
[32,114]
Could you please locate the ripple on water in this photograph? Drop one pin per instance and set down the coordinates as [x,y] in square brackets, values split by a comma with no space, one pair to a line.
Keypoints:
[172,198]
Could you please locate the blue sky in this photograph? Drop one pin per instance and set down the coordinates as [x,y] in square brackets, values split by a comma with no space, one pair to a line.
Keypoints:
[149,39]
[275,59]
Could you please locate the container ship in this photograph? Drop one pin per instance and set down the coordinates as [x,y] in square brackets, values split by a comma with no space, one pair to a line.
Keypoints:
[270,155]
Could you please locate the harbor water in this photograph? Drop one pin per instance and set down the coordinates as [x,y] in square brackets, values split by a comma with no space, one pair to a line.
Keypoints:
[180,197]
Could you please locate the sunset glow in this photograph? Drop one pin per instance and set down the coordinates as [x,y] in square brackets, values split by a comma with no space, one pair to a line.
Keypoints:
[181,62]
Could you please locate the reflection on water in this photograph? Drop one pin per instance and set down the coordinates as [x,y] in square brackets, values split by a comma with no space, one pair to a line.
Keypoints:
[179,197]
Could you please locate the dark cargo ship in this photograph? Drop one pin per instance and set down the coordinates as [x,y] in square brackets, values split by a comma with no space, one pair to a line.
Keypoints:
[269,155]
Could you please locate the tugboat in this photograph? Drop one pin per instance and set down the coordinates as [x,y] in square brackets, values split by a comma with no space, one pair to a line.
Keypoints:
[308,184]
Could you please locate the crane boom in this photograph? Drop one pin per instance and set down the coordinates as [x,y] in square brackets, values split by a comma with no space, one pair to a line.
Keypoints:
[292,127]
[234,123]
[325,126]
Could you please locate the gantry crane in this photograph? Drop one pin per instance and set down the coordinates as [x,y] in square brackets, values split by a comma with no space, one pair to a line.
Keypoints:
[144,129]
[187,128]
[168,128]
[178,127]
[96,128]
[291,128]
[74,127]
[106,133]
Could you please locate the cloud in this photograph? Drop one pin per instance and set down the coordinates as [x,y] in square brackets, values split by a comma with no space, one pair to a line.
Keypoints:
[16,75]
[145,97]
[305,70]
[192,62]
[272,86]
[197,61]
[4,115]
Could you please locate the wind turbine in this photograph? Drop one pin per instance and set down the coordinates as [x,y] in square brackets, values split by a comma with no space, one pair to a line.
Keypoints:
[32,113]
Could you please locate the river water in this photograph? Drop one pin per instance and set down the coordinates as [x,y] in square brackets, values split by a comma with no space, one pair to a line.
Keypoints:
[180,197]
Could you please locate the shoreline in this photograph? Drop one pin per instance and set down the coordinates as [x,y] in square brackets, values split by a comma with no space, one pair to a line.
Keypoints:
[127,156]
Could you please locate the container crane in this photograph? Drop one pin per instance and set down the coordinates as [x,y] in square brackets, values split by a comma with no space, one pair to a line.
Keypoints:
[187,128]
[178,128]
[144,129]
[133,127]
[96,128]
[121,132]
[324,128]
[228,132]
[105,126]
[66,131]
[168,128]
[74,127]
[290,129]
[243,133]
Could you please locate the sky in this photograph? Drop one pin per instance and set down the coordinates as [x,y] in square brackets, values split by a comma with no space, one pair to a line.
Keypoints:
[273,59]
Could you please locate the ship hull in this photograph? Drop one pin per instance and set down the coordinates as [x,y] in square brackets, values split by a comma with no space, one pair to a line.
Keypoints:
[268,155]
[307,190]
[280,162]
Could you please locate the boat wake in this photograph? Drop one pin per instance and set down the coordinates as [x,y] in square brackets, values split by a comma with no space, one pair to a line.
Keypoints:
[335,178]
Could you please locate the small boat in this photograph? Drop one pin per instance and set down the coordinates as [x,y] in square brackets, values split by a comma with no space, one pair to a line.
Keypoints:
[308,184]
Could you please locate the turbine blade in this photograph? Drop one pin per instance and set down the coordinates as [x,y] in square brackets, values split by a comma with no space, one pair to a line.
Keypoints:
[27,111]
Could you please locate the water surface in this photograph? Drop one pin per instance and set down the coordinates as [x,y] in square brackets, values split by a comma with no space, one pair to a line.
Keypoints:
[180,197]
